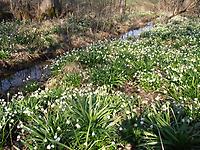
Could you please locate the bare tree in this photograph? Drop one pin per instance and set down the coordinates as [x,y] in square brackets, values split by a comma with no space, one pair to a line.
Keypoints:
[177,7]
[28,9]
[49,8]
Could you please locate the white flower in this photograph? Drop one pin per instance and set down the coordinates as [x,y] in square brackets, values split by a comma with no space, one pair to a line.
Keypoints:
[45,111]
[142,119]
[157,98]
[58,139]
[120,129]
[128,112]
[55,136]
[18,137]
[48,146]
[141,122]
[53,105]
[23,130]
[68,122]
[85,144]
[78,126]
[113,143]
[48,103]
[58,128]
[93,134]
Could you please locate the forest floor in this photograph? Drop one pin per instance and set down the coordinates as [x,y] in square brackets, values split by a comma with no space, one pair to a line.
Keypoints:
[103,92]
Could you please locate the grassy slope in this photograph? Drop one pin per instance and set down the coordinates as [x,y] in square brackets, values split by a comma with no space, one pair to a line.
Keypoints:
[143,92]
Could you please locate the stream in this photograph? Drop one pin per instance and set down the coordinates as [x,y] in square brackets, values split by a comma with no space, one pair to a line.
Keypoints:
[136,32]
[41,72]
[38,73]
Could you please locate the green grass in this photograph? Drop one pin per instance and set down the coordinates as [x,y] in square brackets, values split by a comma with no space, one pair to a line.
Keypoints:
[17,36]
[100,105]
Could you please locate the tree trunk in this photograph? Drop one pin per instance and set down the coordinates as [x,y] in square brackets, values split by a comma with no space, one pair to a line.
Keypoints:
[50,8]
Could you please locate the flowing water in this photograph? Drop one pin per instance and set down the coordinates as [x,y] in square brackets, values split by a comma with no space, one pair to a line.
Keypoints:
[136,32]
[38,73]
[42,71]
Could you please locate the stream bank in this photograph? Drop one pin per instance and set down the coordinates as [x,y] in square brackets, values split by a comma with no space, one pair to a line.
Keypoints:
[24,59]
[13,80]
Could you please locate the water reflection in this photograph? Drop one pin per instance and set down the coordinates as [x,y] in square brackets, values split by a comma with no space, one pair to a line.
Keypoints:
[36,73]
[136,32]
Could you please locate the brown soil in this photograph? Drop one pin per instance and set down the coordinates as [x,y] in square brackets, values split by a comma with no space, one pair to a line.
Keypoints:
[147,97]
